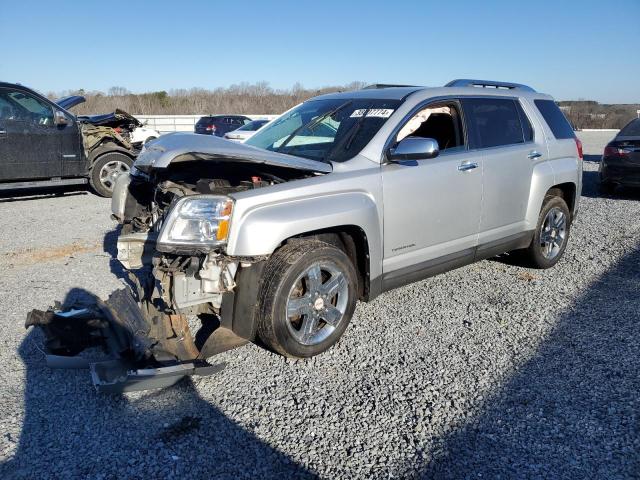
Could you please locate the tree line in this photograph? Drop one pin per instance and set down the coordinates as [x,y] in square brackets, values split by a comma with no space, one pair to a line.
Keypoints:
[590,114]
[261,98]
[244,98]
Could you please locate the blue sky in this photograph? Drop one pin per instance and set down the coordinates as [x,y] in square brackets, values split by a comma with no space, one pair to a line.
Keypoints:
[570,49]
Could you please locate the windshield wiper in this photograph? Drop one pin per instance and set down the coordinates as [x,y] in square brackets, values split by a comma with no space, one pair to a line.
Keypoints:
[312,123]
[347,140]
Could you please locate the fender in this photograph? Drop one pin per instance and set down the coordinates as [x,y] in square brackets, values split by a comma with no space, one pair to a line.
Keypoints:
[546,175]
[569,170]
[542,179]
[258,230]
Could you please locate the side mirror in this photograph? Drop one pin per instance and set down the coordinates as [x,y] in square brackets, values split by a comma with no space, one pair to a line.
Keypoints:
[60,119]
[414,148]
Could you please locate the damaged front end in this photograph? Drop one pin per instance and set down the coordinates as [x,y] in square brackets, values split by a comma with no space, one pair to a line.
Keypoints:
[189,300]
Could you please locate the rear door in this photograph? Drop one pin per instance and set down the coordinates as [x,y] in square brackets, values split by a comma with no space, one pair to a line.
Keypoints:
[29,140]
[502,132]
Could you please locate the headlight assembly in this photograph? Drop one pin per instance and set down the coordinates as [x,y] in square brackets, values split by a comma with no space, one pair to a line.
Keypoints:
[199,221]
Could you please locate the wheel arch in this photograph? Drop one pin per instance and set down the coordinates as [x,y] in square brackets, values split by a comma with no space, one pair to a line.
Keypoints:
[567,191]
[351,217]
[105,148]
[545,180]
[353,241]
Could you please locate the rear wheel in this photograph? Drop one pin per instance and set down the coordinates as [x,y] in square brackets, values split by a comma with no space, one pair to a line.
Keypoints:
[106,169]
[307,298]
[551,234]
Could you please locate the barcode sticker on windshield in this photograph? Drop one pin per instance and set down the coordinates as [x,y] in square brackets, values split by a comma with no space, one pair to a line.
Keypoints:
[374,112]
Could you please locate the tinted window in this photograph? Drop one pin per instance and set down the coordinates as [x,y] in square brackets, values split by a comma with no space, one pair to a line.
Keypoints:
[555,119]
[527,129]
[204,121]
[492,122]
[632,129]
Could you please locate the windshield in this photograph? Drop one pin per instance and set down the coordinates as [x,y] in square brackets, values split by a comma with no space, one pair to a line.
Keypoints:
[326,130]
[632,129]
[253,125]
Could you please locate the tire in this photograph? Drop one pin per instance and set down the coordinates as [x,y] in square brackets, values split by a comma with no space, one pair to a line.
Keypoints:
[105,170]
[287,284]
[539,256]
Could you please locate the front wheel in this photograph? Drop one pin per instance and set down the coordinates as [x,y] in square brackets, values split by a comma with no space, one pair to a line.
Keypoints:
[551,235]
[307,298]
[106,169]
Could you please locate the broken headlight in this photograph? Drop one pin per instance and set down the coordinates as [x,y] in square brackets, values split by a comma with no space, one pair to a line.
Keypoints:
[197,221]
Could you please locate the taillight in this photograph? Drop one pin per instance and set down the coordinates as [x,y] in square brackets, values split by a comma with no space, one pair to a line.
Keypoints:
[615,152]
[579,147]
[211,128]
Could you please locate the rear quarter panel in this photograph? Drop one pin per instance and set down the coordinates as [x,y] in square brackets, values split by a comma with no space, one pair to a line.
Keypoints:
[562,165]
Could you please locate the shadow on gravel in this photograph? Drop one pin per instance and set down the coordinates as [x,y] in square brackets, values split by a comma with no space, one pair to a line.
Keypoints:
[110,247]
[24,195]
[69,431]
[572,411]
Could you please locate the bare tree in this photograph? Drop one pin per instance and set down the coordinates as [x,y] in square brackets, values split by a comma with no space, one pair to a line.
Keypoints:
[261,98]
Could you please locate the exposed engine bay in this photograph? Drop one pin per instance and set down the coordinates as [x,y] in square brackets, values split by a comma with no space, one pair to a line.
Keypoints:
[185,303]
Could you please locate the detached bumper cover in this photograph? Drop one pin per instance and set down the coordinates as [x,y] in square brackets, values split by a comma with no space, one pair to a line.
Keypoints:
[146,349]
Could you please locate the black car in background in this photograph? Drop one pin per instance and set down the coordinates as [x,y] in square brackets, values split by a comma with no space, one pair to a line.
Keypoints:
[620,163]
[42,144]
[218,125]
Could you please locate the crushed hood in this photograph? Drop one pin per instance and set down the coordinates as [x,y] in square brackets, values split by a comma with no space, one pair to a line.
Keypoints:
[71,101]
[182,147]
[119,118]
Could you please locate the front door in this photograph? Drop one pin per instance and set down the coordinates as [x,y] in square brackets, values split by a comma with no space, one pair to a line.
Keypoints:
[432,207]
[29,140]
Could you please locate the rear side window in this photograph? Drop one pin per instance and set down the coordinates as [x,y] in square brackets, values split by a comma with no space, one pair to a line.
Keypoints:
[204,121]
[555,119]
[492,122]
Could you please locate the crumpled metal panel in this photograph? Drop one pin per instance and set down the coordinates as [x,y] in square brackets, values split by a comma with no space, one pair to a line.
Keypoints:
[179,146]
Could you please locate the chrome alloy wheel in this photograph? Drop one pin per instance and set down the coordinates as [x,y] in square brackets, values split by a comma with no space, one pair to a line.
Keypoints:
[553,233]
[110,171]
[317,302]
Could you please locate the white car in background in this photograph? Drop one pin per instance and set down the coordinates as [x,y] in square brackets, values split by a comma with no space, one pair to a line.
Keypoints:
[246,131]
[142,135]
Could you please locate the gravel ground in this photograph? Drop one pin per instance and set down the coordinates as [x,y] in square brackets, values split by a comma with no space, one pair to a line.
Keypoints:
[489,371]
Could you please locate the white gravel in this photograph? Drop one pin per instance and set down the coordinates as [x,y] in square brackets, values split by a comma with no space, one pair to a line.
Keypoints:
[489,371]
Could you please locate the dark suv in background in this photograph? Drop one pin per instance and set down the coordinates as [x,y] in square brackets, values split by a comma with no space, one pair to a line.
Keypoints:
[218,125]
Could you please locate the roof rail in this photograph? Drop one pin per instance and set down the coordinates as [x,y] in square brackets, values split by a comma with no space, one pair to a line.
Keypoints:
[384,85]
[466,82]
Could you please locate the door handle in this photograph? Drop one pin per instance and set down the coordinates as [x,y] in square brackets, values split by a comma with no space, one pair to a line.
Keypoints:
[533,154]
[465,167]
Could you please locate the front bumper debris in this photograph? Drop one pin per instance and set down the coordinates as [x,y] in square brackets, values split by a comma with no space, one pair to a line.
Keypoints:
[145,348]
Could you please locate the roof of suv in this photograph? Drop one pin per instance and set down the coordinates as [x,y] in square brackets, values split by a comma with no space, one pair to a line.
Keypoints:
[402,92]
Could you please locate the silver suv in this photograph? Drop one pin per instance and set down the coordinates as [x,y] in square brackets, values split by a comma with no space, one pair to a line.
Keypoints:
[340,199]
